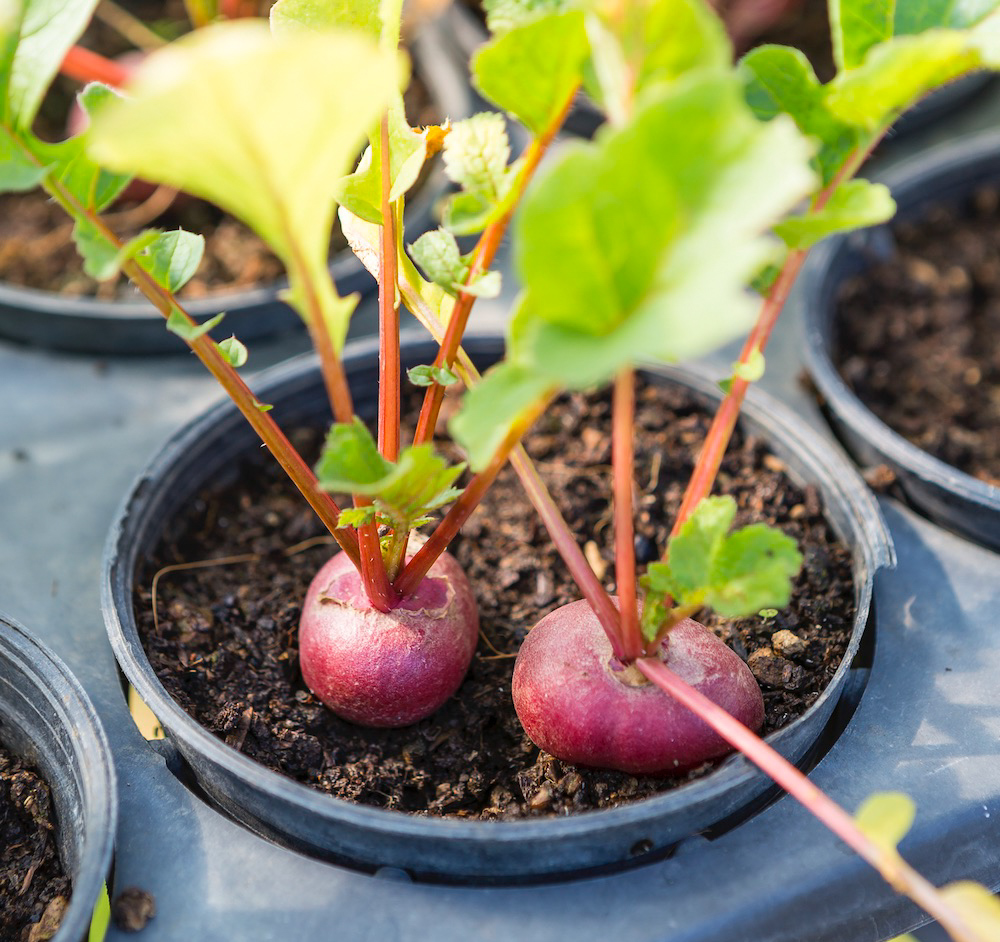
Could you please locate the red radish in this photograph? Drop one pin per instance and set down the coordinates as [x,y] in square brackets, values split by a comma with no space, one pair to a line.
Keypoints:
[574,704]
[379,669]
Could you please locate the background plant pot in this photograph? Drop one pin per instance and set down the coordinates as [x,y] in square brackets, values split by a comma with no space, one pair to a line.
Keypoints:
[940,176]
[446,848]
[46,718]
[88,325]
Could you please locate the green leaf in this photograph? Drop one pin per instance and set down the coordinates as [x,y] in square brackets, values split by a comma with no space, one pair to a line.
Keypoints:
[469,213]
[68,163]
[32,47]
[438,254]
[173,258]
[178,324]
[351,461]
[102,258]
[853,205]
[780,80]
[505,15]
[233,352]
[736,573]
[979,908]
[531,70]
[886,818]
[288,16]
[896,74]
[430,375]
[18,171]
[653,263]
[486,285]
[101,918]
[222,114]
[490,408]
[751,370]
[856,26]
[356,516]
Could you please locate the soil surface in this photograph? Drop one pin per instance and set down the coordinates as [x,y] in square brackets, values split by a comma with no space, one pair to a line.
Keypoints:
[36,244]
[225,646]
[34,891]
[917,335]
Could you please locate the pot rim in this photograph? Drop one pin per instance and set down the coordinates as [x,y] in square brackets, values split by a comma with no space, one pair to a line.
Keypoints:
[909,181]
[870,540]
[93,769]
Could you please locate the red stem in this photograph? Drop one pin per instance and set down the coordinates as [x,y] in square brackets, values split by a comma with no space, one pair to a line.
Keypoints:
[886,861]
[421,562]
[82,65]
[485,251]
[622,459]
[380,593]
[238,9]
[389,377]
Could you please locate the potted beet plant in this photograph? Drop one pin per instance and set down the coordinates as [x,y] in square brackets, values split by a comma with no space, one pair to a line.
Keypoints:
[58,802]
[637,247]
[47,299]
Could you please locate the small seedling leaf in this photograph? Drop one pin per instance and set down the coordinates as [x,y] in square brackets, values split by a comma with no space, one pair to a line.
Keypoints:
[437,253]
[429,375]
[356,516]
[487,285]
[979,908]
[103,258]
[351,462]
[34,38]
[531,70]
[752,369]
[288,16]
[853,205]
[178,324]
[886,818]
[173,258]
[694,549]
[753,569]
[18,171]
[233,352]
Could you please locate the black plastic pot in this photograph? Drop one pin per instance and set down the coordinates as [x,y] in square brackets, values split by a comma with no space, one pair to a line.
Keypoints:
[451,849]
[943,175]
[88,325]
[46,718]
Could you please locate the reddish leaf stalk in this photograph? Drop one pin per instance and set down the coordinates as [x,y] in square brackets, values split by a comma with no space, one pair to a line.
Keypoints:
[622,460]
[380,593]
[204,348]
[421,562]
[82,65]
[897,873]
[485,251]
[389,377]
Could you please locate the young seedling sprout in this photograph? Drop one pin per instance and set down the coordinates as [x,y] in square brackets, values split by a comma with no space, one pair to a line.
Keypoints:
[636,247]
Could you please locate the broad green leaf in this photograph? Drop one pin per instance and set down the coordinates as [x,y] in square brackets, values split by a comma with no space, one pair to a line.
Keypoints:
[856,26]
[233,352]
[438,254]
[222,114]
[896,74]
[351,461]
[886,818]
[652,264]
[490,408]
[173,258]
[780,80]
[853,205]
[19,172]
[753,569]
[978,906]
[177,324]
[532,70]
[32,47]
[425,375]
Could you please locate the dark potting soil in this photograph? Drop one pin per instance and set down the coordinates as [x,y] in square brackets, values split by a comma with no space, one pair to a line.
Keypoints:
[917,334]
[34,891]
[225,645]
[36,243]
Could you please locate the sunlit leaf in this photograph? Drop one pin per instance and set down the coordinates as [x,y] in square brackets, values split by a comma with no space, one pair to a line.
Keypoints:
[173,258]
[886,818]
[853,205]
[979,908]
[233,352]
